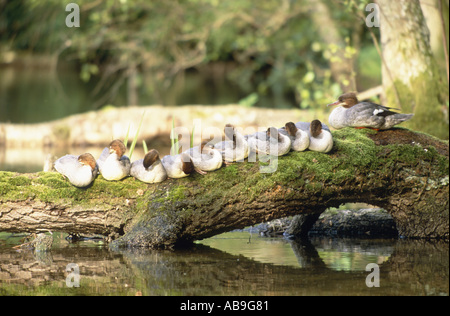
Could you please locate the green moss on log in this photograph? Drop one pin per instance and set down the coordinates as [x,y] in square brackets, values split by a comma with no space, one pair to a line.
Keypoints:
[357,161]
[364,166]
[52,187]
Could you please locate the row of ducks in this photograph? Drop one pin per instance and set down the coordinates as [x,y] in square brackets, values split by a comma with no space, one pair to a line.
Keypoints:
[114,165]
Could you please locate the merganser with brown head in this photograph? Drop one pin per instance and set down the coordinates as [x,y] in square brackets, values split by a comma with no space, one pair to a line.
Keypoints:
[205,158]
[113,164]
[80,170]
[234,149]
[299,138]
[272,143]
[320,140]
[150,169]
[178,166]
[352,113]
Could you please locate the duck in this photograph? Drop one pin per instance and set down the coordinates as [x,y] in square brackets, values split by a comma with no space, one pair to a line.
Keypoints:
[112,163]
[178,166]
[80,170]
[299,138]
[235,148]
[351,112]
[320,139]
[205,157]
[272,143]
[150,169]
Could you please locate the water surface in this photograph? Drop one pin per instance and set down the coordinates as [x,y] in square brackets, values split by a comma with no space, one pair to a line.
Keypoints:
[229,264]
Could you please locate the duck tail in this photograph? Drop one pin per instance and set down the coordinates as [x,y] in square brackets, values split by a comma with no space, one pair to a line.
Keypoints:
[397,118]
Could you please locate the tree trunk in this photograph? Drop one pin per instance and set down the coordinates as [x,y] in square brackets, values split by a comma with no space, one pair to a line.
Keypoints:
[341,64]
[411,78]
[404,172]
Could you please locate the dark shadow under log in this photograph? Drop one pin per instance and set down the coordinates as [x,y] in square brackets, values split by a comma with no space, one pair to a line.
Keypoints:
[402,171]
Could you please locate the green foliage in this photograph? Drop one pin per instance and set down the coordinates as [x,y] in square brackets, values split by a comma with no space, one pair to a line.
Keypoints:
[273,45]
[249,100]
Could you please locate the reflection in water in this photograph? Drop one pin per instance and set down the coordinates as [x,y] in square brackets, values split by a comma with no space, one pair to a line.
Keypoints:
[232,267]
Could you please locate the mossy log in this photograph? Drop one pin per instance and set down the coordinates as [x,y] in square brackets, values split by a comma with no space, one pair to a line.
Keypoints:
[404,172]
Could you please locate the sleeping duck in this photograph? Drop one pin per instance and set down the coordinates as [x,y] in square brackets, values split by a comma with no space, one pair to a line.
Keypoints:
[150,169]
[320,139]
[80,170]
[178,166]
[235,148]
[205,157]
[299,138]
[112,163]
[272,143]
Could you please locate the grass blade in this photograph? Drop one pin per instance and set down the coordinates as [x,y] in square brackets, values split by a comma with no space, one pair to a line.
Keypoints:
[125,141]
[174,148]
[192,136]
[144,145]
[133,144]
[172,138]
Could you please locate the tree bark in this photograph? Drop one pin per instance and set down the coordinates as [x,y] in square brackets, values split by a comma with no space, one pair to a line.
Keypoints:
[404,172]
[411,77]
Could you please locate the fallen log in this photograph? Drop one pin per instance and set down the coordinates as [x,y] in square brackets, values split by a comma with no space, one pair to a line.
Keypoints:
[98,128]
[404,172]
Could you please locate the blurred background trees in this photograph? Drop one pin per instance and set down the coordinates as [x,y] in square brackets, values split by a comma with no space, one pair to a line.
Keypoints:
[274,53]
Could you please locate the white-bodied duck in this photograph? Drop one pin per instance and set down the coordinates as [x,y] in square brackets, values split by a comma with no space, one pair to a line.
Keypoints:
[320,140]
[80,170]
[150,169]
[299,138]
[350,112]
[112,163]
[270,143]
[178,166]
[205,157]
[234,149]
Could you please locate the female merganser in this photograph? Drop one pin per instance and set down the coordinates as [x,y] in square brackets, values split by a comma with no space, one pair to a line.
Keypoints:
[353,113]
[205,157]
[320,139]
[80,170]
[150,169]
[234,149]
[178,166]
[272,143]
[299,138]
[112,163]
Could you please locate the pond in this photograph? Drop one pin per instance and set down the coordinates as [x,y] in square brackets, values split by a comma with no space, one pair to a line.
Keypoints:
[235,263]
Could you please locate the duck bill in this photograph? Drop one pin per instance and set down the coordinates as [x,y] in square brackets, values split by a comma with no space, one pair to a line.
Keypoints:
[334,103]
